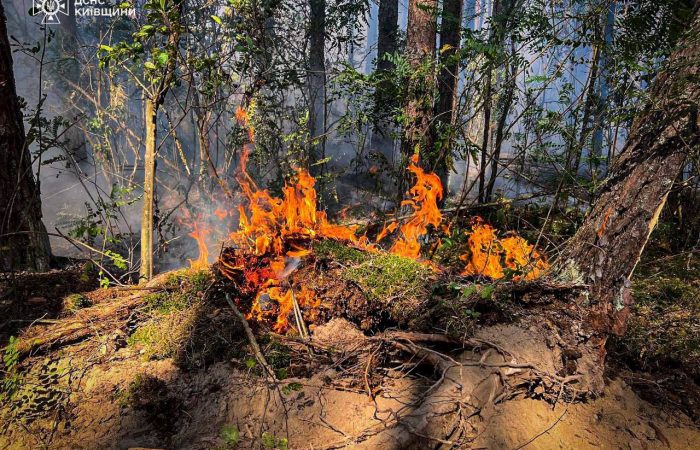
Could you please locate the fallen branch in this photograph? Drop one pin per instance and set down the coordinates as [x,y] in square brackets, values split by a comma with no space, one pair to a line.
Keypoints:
[251,338]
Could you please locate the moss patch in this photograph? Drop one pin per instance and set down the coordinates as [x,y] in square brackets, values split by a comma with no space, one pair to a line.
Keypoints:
[392,283]
[171,316]
[387,277]
[74,302]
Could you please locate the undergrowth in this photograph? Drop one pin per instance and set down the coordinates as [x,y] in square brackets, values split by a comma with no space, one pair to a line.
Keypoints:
[664,328]
[171,315]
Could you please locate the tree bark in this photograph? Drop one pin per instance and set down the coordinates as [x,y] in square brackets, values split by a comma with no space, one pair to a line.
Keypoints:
[385,98]
[387,38]
[24,243]
[149,167]
[607,247]
[420,50]
[447,81]
[505,104]
[316,80]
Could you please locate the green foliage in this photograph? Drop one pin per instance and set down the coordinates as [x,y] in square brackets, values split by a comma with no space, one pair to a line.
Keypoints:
[165,302]
[337,251]
[385,277]
[291,387]
[270,441]
[230,435]
[278,355]
[11,378]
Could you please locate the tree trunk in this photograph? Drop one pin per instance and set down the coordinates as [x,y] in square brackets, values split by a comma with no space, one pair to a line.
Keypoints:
[607,247]
[488,100]
[385,98]
[149,168]
[388,32]
[447,82]
[316,80]
[504,109]
[420,52]
[20,201]
[69,69]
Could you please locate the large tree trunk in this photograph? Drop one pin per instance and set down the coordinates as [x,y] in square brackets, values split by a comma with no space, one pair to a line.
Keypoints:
[387,37]
[317,82]
[447,81]
[420,52]
[23,239]
[607,247]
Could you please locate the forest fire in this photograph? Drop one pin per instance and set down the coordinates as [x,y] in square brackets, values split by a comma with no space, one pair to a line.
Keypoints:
[199,234]
[274,233]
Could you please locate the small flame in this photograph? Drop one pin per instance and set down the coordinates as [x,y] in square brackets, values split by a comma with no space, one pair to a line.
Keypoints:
[221,213]
[306,298]
[489,256]
[199,234]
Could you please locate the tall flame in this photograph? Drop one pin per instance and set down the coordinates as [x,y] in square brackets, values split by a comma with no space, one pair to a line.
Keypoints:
[269,223]
[424,197]
[199,234]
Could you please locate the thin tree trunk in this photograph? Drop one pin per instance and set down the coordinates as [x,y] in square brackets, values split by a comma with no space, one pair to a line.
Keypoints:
[149,162]
[588,108]
[607,247]
[153,101]
[504,109]
[69,69]
[488,100]
[447,82]
[317,83]
[20,201]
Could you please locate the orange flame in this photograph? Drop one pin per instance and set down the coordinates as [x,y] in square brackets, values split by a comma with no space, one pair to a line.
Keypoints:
[199,234]
[270,222]
[221,213]
[424,197]
[306,298]
[275,229]
[488,255]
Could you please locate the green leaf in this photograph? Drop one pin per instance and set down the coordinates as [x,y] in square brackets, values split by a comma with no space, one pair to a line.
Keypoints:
[217,19]
[149,65]
[268,440]
[105,48]
[162,58]
[250,363]
[230,435]
[487,291]
[468,291]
